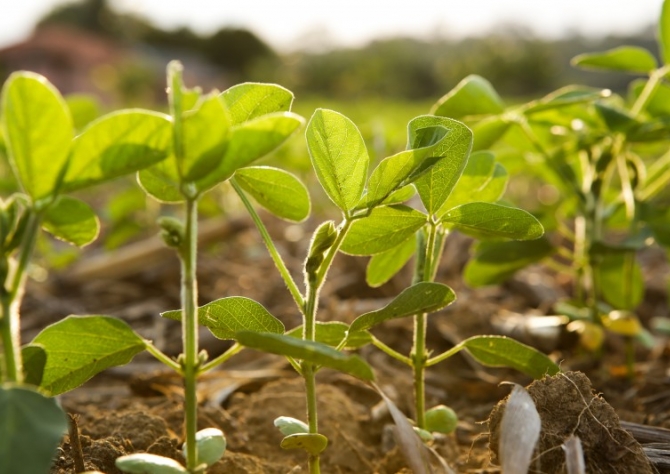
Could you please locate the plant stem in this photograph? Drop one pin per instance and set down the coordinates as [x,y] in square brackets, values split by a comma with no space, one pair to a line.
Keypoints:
[419,355]
[10,323]
[189,298]
[159,355]
[269,244]
[309,334]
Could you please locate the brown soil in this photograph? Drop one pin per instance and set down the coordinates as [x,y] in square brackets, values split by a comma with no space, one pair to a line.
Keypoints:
[137,408]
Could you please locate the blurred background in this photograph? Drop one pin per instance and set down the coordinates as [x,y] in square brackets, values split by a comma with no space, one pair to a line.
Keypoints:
[345,50]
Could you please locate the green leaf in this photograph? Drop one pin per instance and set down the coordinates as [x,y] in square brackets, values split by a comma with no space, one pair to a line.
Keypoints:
[485,220]
[501,351]
[38,131]
[251,100]
[620,280]
[664,32]
[313,443]
[117,144]
[483,180]
[206,131]
[659,103]
[339,157]
[161,181]
[78,347]
[474,95]
[402,168]
[436,183]
[400,195]
[383,229]
[333,333]
[289,426]
[34,359]
[314,352]
[495,262]
[71,220]
[249,142]
[616,119]
[226,316]
[31,428]
[487,132]
[423,297]
[624,58]
[383,266]
[277,190]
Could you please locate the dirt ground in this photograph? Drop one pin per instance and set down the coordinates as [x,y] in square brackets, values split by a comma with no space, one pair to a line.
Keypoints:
[137,408]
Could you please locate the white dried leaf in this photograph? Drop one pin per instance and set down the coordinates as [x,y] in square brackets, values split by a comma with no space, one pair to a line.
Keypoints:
[519,432]
[574,455]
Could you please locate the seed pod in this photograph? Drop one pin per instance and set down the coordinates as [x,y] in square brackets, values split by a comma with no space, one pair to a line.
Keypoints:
[210,444]
[143,463]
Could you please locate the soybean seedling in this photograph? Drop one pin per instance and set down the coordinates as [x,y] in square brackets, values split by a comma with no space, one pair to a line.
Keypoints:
[48,162]
[373,221]
[605,155]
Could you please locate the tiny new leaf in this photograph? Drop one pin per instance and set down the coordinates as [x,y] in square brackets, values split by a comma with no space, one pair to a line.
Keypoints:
[38,131]
[226,316]
[314,352]
[31,427]
[78,347]
[339,157]
[422,297]
[71,220]
[486,220]
[277,190]
[117,144]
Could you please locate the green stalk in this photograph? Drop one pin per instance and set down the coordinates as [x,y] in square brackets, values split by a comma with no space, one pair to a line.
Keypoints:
[189,298]
[189,289]
[10,323]
[269,244]
[308,373]
[419,355]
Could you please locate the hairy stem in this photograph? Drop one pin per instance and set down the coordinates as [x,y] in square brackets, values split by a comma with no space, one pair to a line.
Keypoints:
[269,244]
[10,323]
[308,372]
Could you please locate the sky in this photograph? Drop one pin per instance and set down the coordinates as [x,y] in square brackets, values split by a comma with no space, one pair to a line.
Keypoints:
[294,24]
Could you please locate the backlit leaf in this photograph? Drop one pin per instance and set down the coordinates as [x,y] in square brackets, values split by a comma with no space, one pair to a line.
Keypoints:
[501,351]
[474,95]
[38,132]
[664,32]
[487,132]
[31,427]
[339,157]
[161,181]
[71,220]
[314,352]
[384,265]
[564,97]
[205,132]
[84,109]
[277,190]
[383,229]
[436,184]
[476,175]
[480,219]
[423,297]
[250,141]
[495,262]
[253,99]
[78,347]
[117,144]
[620,280]
[226,316]
[624,58]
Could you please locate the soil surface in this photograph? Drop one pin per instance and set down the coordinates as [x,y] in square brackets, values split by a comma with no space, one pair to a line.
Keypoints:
[137,408]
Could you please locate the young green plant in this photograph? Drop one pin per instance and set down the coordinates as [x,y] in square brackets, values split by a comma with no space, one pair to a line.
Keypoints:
[48,161]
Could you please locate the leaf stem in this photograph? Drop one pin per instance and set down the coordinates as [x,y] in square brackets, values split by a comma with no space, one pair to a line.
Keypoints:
[234,349]
[269,244]
[162,357]
[10,323]
[308,372]
[391,352]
